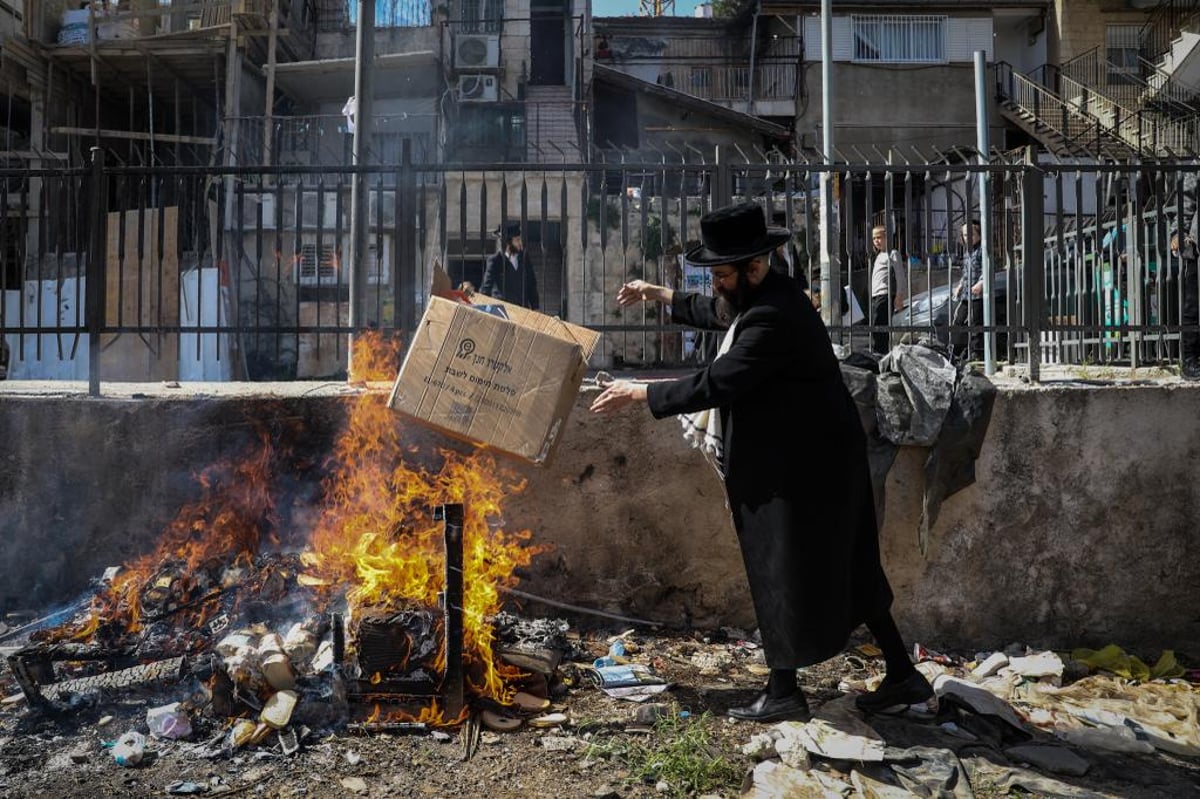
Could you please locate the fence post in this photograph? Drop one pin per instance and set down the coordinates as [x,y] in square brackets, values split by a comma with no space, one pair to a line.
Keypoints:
[407,269]
[95,269]
[1032,247]
[721,191]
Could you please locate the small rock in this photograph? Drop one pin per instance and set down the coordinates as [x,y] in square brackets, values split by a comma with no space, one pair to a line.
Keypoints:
[354,784]
[489,738]
[760,746]
[606,791]
[441,736]
[662,786]
[104,720]
[792,753]
[559,743]
[81,753]
[353,758]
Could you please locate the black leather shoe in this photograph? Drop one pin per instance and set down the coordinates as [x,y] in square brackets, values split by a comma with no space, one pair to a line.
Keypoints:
[896,697]
[792,707]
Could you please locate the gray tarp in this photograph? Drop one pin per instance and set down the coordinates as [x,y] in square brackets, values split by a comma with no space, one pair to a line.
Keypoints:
[920,399]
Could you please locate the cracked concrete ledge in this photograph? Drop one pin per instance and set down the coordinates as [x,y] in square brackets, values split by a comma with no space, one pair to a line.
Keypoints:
[1079,530]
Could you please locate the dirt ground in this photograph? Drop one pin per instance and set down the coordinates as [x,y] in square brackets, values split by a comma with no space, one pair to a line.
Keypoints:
[594,754]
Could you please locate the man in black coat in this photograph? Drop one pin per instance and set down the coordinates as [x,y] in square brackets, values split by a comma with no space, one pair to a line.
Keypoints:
[508,276]
[773,415]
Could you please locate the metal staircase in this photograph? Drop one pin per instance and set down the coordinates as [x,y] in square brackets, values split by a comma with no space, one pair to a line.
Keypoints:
[1116,99]
[1063,128]
[1093,108]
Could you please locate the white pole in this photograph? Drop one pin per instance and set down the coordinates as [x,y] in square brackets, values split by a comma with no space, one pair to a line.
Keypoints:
[830,274]
[985,224]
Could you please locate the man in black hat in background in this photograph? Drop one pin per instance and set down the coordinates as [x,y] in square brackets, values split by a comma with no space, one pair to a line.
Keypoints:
[773,416]
[507,275]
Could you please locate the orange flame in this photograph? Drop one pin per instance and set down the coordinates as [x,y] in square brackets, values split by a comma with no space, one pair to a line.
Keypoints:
[375,541]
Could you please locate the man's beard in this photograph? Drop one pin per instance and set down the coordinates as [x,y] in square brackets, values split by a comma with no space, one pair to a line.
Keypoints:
[732,303]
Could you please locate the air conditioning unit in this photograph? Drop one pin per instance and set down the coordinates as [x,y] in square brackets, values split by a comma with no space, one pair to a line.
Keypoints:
[476,51]
[323,265]
[477,89]
[250,206]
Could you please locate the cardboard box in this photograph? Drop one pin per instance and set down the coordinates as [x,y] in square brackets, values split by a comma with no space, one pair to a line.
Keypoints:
[493,374]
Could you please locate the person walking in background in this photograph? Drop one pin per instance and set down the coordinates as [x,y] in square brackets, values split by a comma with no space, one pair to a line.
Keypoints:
[784,258]
[889,279]
[1184,244]
[508,276]
[968,293]
[773,416]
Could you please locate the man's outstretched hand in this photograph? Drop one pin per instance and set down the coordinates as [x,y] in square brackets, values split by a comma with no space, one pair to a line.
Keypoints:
[640,291]
[618,395]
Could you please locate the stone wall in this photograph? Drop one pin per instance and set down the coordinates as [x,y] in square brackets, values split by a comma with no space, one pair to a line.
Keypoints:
[1080,529]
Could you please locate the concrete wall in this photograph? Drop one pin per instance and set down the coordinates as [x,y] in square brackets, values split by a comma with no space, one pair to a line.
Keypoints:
[1080,529]
[886,106]
[1080,25]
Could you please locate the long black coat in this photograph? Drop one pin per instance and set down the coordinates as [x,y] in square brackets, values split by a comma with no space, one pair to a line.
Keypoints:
[796,471]
[503,282]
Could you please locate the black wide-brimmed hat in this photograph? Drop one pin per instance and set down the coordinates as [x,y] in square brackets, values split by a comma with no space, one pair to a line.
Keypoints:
[509,230]
[735,233]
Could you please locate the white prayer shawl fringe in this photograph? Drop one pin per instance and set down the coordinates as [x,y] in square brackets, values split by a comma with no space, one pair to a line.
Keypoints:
[702,429]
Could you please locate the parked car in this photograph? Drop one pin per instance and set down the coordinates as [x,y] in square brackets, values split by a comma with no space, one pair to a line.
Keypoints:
[932,310]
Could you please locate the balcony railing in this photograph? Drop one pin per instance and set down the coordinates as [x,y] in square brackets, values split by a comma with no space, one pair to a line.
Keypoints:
[80,27]
[727,83]
[326,140]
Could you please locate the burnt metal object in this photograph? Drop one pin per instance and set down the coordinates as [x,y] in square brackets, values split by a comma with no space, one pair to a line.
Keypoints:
[34,670]
[399,647]
[452,683]
[390,662]
[373,727]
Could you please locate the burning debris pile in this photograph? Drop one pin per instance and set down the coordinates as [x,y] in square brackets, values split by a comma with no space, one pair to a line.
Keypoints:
[381,614]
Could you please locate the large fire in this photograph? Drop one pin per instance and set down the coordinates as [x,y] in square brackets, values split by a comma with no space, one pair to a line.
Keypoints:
[375,543]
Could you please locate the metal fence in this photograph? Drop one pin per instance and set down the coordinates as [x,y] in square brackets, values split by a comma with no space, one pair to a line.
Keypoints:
[122,273]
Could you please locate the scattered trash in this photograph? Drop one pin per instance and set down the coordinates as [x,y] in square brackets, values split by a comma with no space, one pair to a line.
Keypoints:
[634,682]
[277,712]
[549,720]
[1107,739]
[353,758]
[920,654]
[182,788]
[1043,664]
[1114,660]
[169,721]
[528,702]
[240,734]
[129,749]
[289,742]
[993,664]
[1049,757]
[500,722]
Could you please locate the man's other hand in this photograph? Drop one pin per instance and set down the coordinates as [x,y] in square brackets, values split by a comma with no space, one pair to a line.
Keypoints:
[637,291]
[618,395]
